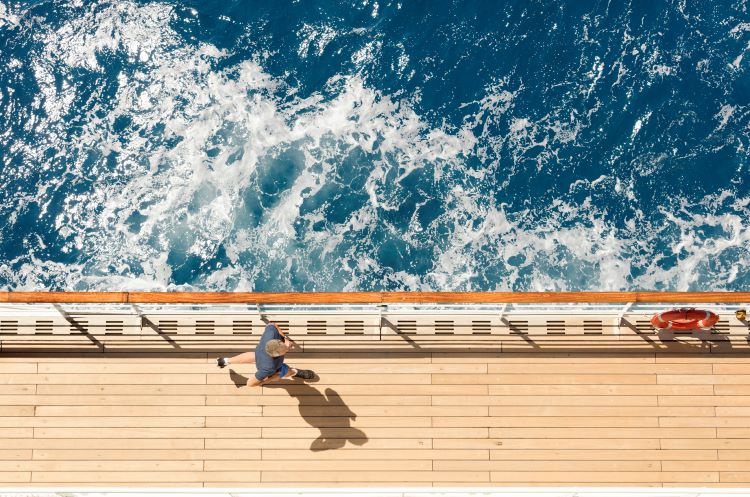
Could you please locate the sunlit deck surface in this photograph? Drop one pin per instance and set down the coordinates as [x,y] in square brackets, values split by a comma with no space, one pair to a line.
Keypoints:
[423,405]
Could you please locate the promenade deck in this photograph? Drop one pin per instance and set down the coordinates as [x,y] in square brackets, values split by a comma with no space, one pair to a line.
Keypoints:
[419,407]
[393,419]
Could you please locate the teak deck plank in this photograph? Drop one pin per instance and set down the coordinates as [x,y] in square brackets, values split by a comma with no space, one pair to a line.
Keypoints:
[413,418]
[143,454]
[334,400]
[102,443]
[304,443]
[602,455]
[104,400]
[510,444]
[547,400]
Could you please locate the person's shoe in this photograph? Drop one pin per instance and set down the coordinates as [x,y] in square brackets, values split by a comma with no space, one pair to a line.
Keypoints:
[221,362]
[305,374]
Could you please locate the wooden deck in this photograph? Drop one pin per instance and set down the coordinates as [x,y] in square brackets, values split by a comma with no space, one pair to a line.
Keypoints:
[131,396]
[531,417]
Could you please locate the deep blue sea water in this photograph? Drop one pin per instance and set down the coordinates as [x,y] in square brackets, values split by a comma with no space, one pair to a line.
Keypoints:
[374,145]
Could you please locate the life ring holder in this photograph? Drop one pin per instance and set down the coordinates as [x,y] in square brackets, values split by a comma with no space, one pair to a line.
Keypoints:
[684,319]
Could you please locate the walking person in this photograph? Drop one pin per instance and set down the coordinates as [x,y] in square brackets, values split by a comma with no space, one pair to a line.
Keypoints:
[268,358]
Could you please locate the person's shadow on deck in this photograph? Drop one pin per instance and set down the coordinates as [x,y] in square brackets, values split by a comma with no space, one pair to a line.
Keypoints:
[312,403]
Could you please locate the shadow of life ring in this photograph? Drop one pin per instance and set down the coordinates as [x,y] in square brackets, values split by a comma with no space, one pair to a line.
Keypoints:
[684,319]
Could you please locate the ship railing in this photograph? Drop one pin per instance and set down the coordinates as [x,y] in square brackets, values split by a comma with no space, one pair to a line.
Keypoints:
[175,323]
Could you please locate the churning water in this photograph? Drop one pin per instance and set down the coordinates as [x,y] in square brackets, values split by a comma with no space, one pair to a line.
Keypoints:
[374,145]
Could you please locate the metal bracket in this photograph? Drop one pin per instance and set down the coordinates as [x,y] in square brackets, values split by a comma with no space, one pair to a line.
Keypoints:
[502,311]
[381,309]
[621,316]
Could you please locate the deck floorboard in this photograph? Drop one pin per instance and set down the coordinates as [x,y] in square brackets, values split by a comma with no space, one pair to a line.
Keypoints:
[650,419]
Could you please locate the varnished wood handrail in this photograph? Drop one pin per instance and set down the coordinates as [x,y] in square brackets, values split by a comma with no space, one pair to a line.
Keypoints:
[369,297]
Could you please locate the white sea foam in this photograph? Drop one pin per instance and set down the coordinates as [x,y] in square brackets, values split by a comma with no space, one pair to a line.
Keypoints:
[662,70]
[724,114]
[740,28]
[367,53]
[403,60]
[639,124]
[699,258]
[315,39]
[238,99]
[223,129]
[7,17]
[636,128]
[595,74]
[737,61]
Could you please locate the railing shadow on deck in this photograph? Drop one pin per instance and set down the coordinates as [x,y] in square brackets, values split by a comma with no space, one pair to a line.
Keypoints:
[706,339]
[77,326]
[664,342]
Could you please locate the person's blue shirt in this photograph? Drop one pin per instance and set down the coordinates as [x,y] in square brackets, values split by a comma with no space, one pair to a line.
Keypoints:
[266,364]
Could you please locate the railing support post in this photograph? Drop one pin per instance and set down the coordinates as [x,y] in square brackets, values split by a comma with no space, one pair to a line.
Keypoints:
[502,311]
[138,313]
[259,309]
[621,316]
[381,308]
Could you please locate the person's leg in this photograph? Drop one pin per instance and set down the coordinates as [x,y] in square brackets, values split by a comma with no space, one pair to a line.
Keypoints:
[286,371]
[305,374]
[244,358]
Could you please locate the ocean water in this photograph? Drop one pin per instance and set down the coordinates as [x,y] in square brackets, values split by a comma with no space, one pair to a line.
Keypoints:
[318,145]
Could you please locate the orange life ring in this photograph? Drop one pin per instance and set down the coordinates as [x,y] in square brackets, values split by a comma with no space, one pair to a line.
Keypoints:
[684,319]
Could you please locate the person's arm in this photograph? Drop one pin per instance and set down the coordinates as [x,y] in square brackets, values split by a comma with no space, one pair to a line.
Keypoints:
[278,329]
[290,343]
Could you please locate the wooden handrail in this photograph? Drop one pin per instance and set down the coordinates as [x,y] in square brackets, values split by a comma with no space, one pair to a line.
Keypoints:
[369,297]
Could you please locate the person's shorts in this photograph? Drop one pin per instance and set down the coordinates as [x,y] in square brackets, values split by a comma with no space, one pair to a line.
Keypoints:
[284,370]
